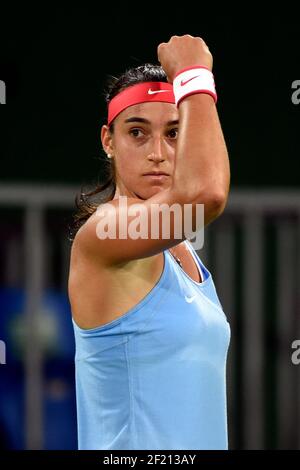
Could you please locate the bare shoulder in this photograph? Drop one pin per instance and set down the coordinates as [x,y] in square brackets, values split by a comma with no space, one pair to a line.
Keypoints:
[98,293]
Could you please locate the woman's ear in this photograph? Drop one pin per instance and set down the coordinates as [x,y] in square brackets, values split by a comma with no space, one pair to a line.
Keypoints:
[106,140]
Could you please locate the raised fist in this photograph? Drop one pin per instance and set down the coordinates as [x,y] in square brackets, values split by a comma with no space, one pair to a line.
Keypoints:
[183,51]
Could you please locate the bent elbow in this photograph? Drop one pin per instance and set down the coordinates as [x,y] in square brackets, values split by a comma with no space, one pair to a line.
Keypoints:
[216,199]
[214,207]
[219,201]
[213,204]
[213,201]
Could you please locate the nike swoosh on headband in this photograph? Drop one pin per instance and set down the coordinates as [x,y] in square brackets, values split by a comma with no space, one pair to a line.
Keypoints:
[153,92]
[184,82]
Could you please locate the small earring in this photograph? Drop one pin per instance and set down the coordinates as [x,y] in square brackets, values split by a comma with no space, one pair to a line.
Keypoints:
[108,155]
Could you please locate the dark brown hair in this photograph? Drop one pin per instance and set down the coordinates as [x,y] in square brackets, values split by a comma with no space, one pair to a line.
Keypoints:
[87,202]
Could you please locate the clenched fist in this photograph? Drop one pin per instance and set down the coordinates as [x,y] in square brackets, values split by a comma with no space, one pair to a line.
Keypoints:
[183,51]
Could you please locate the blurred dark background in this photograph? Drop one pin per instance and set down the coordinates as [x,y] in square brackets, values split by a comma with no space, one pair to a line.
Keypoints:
[55,61]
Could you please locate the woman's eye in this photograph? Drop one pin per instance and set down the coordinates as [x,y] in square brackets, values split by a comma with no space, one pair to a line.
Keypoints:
[135,132]
[173,133]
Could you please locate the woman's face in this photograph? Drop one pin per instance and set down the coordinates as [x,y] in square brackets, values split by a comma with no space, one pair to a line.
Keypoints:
[144,140]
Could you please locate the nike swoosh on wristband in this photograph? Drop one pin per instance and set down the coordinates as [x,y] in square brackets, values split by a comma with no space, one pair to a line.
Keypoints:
[184,82]
[189,299]
[153,92]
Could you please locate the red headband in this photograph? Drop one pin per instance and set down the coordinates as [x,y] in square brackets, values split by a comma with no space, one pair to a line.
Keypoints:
[140,93]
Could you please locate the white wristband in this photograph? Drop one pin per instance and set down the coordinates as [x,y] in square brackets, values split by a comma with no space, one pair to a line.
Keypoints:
[197,79]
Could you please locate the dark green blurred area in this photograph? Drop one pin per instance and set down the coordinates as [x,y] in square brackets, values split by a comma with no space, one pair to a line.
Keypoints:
[55,62]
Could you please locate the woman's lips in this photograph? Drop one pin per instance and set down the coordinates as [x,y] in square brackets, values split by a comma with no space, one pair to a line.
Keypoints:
[159,177]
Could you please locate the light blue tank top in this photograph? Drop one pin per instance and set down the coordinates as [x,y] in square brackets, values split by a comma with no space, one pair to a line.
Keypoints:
[155,378]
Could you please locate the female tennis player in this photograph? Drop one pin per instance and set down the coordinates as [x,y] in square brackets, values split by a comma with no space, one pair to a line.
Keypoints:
[151,335]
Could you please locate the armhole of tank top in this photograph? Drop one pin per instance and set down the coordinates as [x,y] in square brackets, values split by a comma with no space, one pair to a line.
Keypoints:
[201,271]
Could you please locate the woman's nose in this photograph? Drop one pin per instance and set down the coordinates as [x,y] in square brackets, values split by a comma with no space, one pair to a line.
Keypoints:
[155,156]
[157,153]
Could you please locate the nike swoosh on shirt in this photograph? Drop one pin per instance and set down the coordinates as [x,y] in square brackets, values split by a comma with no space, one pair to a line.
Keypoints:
[184,82]
[153,92]
[189,299]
